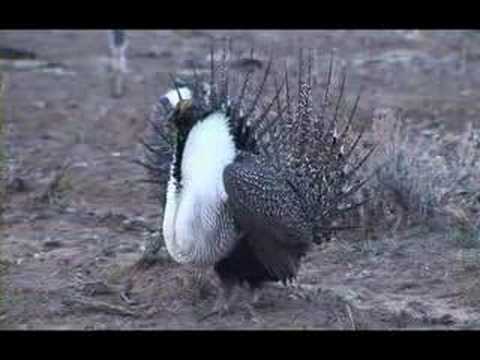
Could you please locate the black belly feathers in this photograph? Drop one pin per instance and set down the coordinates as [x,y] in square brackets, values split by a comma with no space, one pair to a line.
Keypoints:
[284,181]
[274,229]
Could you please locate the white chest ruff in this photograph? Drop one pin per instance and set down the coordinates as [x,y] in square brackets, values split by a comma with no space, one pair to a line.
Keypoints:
[195,223]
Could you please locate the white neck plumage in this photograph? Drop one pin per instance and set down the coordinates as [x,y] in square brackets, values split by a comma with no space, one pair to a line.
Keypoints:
[193,211]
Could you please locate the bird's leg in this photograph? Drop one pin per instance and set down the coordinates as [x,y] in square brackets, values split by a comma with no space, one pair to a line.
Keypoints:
[300,291]
[227,293]
[253,303]
[255,295]
[224,299]
[256,298]
[200,277]
[200,282]
[223,302]
[294,289]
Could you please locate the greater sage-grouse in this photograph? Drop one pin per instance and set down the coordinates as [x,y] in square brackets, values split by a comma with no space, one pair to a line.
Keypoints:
[253,180]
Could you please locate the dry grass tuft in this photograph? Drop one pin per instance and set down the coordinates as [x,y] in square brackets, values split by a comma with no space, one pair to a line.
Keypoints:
[418,183]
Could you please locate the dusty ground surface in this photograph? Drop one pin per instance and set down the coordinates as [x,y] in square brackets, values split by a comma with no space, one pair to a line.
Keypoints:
[67,255]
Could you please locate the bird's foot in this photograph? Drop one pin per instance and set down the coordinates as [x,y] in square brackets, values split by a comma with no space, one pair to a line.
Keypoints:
[251,312]
[222,306]
[219,310]
[253,304]
[255,297]
[302,291]
[258,301]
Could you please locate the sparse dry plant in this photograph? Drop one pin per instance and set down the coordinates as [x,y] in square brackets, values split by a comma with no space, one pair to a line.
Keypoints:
[464,205]
[3,265]
[2,89]
[417,184]
[57,187]
[2,152]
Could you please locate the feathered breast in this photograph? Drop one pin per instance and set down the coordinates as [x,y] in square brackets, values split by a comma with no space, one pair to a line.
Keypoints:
[196,226]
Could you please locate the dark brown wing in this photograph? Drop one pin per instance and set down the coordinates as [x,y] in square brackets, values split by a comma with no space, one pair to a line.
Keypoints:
[269,213]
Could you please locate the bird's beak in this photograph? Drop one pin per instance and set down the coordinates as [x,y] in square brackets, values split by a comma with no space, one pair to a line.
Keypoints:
[183,106]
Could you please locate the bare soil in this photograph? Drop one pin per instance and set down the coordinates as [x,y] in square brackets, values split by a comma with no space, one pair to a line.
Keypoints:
[68,251]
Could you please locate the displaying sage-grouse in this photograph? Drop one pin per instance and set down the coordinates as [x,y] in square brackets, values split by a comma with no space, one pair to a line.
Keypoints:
[254,179]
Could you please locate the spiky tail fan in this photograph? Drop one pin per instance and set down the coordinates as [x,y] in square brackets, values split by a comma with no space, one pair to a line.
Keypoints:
[315,146]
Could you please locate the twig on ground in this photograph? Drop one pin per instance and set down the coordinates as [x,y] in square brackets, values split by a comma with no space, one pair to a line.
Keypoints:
[350,316]
[99,306]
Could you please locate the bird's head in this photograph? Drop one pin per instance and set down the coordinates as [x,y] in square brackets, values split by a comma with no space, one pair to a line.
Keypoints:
[178,111]
[182,118]
[184,106]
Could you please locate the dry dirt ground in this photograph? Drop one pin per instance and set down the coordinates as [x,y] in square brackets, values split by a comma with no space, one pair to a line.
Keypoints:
[67,251]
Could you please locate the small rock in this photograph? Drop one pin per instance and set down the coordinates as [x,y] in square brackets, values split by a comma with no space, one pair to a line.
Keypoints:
[18,184]
[97,288]
[39,104]
[52,244]
[107,252]
[52,69]
[124,249]
[139,79]
[82,164]
[153,53]
[72,104]
[447,319]
[166,54]
[15,54]
[46,137]
[247,64]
